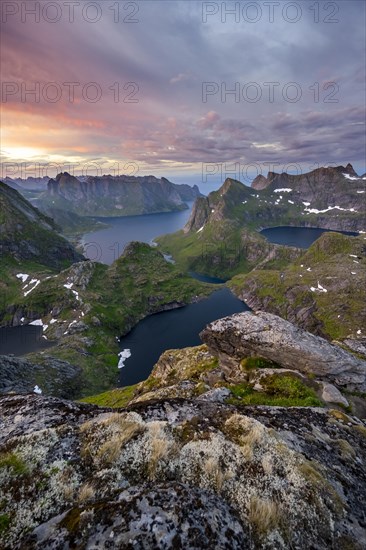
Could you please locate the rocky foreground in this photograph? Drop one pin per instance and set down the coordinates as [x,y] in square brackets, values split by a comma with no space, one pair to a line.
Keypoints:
[191,460]
[179,474]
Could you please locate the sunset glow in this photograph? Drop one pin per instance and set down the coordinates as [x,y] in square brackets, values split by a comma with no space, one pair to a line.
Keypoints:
[179,87]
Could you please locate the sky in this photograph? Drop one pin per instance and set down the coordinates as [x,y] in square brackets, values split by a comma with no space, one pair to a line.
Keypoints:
[192,91]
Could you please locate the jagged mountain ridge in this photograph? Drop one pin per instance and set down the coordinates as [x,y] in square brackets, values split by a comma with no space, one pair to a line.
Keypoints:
[321,187]
[224,225]
[330,198]
[117,195]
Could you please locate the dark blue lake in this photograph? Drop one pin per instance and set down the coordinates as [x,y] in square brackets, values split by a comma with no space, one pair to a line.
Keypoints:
[175,329]
[301,237]
[108,244]
[21,340]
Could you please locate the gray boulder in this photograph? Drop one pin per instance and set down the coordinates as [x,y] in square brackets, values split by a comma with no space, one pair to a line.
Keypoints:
[263,334]
[332,395]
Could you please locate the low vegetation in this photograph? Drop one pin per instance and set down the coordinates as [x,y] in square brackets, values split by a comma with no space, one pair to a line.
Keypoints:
[278,390]
[324,290]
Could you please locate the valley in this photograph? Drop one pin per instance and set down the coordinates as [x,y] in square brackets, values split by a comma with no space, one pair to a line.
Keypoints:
[84,310]
[222,343]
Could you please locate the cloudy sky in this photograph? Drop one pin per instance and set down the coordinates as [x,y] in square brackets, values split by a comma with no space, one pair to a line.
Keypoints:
[144,87]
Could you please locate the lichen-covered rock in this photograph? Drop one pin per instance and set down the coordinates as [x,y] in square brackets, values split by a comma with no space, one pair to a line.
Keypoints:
[179,474]
[247,334]
[165,515]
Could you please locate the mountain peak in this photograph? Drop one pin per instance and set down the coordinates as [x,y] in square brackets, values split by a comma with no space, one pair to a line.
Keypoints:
[229,185]
[260,182]
[63,175]
[350,170]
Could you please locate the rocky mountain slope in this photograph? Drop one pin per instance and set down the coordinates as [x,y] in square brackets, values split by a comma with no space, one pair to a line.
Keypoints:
[87,307]
[116,195]
[28,235]
[324,290]
[83,309]
[329,198]
[29,184]
[56,377]
[223,249]
[191,461]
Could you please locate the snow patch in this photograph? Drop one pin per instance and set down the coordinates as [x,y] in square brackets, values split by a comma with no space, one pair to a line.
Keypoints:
[200,229]
[35,282]
[69,285]
[37,390]
[320,288]
[315,211]
[76,294]
[359,192]
[123,355]
[283,190]
[291,202]
[22,276]
[37,322]
[306,203]
[353,178]
[53,321]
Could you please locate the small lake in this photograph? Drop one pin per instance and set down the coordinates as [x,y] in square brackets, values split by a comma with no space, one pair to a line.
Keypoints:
[301,237]
[108,244]
[175,329]
[23,339]
[206,278]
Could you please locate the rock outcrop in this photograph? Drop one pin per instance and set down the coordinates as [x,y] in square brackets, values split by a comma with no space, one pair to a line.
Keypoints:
[199,215]
[179,474]
[266,335]
[55,377]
